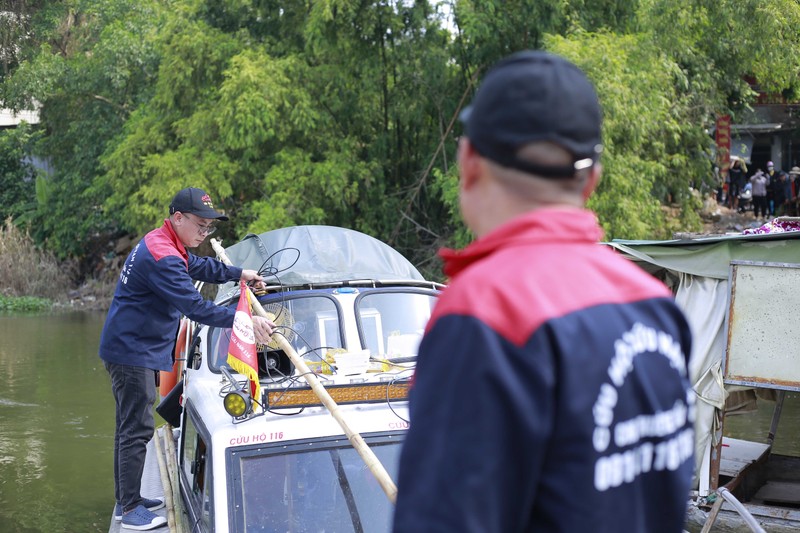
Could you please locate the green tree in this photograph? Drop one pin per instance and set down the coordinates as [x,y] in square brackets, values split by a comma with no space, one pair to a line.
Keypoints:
[664,71]
[90,71]
[720,43]
[17,174]
[311,117]
[14,31]
[643,123]
[343,112]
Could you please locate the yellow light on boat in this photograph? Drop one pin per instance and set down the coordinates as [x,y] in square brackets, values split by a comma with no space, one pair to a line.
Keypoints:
[341,394]
[237,404]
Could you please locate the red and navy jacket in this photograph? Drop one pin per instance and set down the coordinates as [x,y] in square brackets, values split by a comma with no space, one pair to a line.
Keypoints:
[551,391]
[155,288]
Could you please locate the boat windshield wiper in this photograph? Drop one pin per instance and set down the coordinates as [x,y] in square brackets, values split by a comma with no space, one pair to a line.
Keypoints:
[347,491]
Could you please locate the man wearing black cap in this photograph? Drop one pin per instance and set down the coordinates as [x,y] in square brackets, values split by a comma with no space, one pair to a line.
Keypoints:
[551,389]
[154,289]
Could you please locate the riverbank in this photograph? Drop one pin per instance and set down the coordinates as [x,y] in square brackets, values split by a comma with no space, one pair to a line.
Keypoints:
[92,295]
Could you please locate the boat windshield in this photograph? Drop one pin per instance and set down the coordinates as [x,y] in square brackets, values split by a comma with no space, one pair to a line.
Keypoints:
[311,323]
[391,322]
[316,488]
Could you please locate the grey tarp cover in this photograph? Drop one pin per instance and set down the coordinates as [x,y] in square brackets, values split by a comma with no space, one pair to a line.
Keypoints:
[698,271]
[301,255]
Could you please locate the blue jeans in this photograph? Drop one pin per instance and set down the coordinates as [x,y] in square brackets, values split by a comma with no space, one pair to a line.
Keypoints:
[134,391]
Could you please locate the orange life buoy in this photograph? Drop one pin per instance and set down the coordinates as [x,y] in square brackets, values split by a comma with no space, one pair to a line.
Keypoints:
[168,380]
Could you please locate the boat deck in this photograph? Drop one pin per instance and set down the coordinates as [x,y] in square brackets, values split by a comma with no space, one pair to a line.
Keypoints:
[780,492]
[766,485]
[738,454]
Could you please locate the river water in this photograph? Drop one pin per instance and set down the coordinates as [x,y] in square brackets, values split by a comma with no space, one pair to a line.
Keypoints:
[57,425]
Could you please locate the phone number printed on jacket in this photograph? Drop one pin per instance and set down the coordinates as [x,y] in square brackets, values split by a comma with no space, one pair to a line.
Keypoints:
[617,468]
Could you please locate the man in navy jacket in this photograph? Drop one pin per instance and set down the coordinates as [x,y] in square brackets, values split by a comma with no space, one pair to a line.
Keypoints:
[154,290]
[551,389]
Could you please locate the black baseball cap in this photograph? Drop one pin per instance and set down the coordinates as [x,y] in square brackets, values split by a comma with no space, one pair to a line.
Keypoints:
[535,96]
[195,201]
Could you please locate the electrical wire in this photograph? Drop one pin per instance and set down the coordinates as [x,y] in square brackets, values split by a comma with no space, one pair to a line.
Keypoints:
[389,401]
[267,270]
[270,270]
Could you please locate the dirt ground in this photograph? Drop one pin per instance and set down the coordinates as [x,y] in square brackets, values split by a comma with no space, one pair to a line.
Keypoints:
[719,220]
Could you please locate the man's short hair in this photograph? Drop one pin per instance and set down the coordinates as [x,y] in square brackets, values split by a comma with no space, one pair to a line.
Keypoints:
[535,96]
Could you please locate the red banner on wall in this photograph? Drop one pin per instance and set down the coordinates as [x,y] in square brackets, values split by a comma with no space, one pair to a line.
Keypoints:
[723,138]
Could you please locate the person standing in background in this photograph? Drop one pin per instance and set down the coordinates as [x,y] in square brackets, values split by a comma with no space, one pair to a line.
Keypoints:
[737,176]
[782,191]
[772,176]
[760,183]
[794,178]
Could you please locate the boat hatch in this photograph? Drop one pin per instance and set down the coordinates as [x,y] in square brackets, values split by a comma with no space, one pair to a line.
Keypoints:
[304,485]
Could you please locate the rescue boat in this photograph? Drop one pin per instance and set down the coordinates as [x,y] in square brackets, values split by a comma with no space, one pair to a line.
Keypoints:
[353,310]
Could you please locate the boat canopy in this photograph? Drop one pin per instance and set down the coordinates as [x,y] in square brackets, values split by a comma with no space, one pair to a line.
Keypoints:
[698,271]
[313,255]
[711,256]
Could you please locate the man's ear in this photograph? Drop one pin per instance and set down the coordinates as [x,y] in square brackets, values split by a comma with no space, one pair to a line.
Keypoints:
[592,181]
[469,162]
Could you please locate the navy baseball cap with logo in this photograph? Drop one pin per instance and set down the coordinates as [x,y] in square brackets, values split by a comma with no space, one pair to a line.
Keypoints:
[195,201]
[535,96]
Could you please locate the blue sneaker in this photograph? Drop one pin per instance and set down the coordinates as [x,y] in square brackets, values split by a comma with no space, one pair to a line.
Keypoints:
[151,505]
[141,519]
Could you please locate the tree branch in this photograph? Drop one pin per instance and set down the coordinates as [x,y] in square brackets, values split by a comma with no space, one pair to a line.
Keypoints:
[418,186]
[120,107]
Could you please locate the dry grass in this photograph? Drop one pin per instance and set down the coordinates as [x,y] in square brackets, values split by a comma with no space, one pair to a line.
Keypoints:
[25,270]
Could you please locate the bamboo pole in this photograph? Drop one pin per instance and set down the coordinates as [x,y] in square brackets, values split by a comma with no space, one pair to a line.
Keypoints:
[356,440]
[172,468]
[166,482]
